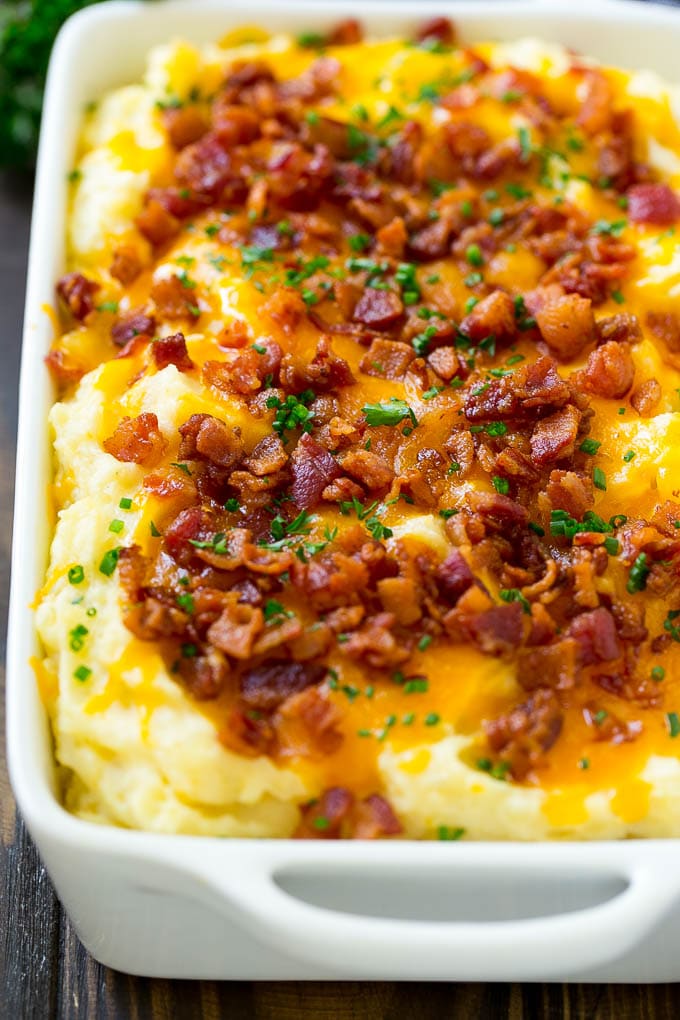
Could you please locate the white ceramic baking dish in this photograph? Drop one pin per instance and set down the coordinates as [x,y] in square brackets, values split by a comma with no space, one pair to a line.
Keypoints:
[207,908]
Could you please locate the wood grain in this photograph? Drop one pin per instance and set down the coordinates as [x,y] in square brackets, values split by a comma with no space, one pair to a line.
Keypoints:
[45,972]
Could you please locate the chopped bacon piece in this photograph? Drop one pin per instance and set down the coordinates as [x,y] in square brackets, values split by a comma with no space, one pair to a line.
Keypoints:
[234,125]
[387,359]
[172,350]
[393,237]
[568,491]
[645,398]
[156,223]
[174,299]
[553,666]
[77,293]
[345,33]
[530,392]
[524,734]
[326,371]
[306,723]
[653,203]
[437,29]
[205,437]
[62,367]
[596,637]
[598,103]
[247,735]
[267,458]
[375,644]
[609,371]
[553,438]
[184,125]
[236,630]
[498,631]
[205,166]
[286,308]
[133,324]
[665,326]
[325,818]
[137,440]
[453,577]
[567,325]
[494,316]
[379,309]
[126,265]
[619,329]
[497,509]
[313,469]
[432,241]
[374,817]
[204,675]
[444,362]
[265,687]
[367,467]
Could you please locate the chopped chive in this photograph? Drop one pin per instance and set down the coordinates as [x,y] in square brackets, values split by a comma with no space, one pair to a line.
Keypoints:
[473,255]
[501,485]
[424,642]
[657,674]
[82,673]
[590,446]
[76,575]
[154,530]
[125,503]
[599,479]
[116,526]
[673,724]
[449,835]
[109,561]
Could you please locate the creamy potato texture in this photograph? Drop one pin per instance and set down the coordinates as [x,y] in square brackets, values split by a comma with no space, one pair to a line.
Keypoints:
[135,748]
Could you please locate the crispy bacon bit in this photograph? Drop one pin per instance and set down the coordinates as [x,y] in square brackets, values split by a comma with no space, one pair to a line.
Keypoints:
[379,309]
[313,469]
[205,437]
[184,125]
[374,818]
[527,732]
[236,630]
[133,324]
[77,293]
[568,491]
[367,467]
[375,644]
[567,325]
[325,818]
[653,203]
[498,631]
[553,666]
[267,458]
[619,329]
[494,316]
[266,687]
[137,440]
[306,723]
[345,33]
[247,735]
[598,103]
[387,359]
[174,299]
[529,393]
[596,637]
[646,397]
[498,510]
[609,371]
[205,166]
[444,361]
[126,265]
[156,223]
[437,30]
[205,675]
[172,350]
[665,326]
[326,371]
[453,577]
[553,438]
[393,237]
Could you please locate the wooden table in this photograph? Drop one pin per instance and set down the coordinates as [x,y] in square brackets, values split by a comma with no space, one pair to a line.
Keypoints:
[45,972]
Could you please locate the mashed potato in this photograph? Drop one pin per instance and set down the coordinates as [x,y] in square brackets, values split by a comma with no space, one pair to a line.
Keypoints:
[136,747]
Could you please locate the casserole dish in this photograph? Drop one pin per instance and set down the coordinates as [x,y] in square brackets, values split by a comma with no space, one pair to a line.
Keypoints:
[491,911]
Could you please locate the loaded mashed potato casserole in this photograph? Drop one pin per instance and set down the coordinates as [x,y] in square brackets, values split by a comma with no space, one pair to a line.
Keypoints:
[366,451]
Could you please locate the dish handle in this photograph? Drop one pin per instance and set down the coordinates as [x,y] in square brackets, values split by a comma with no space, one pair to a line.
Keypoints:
[354,943]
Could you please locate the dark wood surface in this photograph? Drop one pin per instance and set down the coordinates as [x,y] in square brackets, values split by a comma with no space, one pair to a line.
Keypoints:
[45,972]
